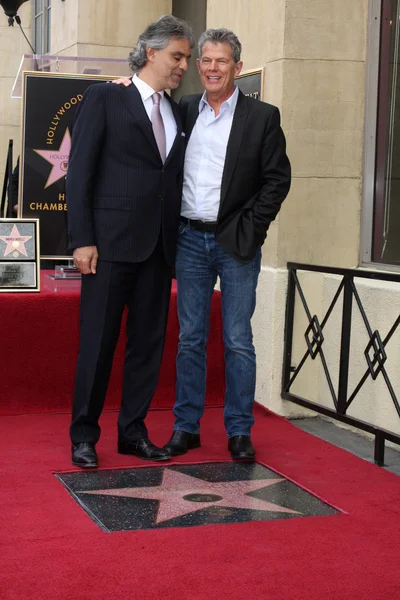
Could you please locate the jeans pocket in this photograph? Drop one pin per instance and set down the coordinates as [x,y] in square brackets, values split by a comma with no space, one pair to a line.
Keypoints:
[182,228]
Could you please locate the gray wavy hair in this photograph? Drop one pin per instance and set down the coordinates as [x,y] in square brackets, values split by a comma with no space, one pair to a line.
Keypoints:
[221,36]
[157,36]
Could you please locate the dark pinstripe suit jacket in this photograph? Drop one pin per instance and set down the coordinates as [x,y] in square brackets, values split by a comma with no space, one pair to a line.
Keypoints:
[119,193]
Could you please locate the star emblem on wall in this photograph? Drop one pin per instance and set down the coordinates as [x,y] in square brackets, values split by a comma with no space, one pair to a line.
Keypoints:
[58,159]
[180,494]
[15,242]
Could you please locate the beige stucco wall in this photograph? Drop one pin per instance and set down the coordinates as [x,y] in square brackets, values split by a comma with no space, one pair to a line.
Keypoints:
[99,28]
[323,109]
[313,53]
[12,47]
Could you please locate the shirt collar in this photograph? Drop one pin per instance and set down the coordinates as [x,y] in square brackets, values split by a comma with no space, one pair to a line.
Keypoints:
[230,104]
[144,89]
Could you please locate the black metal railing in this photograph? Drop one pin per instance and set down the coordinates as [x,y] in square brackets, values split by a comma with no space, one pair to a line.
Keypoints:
[375,352]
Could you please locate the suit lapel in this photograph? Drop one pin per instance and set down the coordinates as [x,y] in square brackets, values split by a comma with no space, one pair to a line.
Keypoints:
[133,101]
[178,119]
[234,142]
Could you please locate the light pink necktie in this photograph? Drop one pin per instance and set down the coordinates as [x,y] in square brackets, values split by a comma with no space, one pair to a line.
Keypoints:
[158,126]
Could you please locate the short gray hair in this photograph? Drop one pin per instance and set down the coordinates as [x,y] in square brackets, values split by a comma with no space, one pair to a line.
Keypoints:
[157,36]
[221,36]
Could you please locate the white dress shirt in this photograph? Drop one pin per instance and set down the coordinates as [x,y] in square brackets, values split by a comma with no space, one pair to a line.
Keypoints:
[205,160]
[146,93]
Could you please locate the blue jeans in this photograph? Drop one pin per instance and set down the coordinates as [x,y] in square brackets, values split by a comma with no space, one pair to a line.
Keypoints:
[200,259]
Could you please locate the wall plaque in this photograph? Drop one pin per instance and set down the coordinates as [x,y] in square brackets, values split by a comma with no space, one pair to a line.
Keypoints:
[19,255]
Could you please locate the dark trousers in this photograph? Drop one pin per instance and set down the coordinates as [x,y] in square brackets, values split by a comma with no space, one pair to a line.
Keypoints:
[145,289]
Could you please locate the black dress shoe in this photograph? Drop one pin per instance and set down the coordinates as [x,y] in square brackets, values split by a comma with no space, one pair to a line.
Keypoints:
[84,455]
[181,442]
[241,448]
[143,448]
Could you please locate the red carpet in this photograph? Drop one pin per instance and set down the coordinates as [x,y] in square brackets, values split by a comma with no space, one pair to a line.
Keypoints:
[51,550]
[39,336]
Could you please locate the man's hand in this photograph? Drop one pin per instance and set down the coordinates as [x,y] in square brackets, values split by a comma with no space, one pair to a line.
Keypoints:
[123,80]
[85,259]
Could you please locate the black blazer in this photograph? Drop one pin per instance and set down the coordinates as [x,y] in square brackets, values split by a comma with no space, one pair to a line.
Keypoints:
[119,193]
[256,176]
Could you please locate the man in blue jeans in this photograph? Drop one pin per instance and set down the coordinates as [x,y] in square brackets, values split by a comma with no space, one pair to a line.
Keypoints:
[236,176]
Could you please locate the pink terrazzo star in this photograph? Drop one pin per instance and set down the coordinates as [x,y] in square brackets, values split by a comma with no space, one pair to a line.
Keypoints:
[176,487]
[15,242]
[58,158]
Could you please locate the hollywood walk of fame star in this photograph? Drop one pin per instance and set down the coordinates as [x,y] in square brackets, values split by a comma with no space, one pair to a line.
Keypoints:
[15,242]
[181,494]
[57,158]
